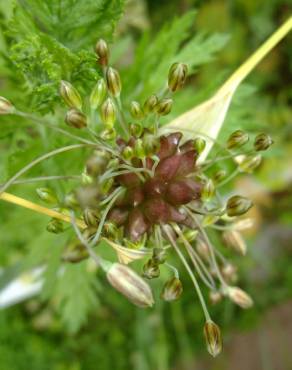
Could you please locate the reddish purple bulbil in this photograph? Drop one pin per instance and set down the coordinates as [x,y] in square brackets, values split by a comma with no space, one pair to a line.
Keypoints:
[157,200]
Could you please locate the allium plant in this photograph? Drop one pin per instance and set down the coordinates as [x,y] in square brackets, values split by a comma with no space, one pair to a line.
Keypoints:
[149,191]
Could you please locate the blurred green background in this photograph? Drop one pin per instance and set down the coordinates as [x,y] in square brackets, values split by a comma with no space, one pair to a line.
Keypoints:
[40,333]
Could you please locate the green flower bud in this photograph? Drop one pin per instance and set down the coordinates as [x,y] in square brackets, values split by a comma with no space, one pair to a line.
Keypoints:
[237,139]
[88,196]
[139,149]
[213,338]
[136,110]
[47,195]
[177,76]
[208,190]
[171,290]
[151,269]
[215,297]
[240,297]
[75,118]
[164,106]
[5,106]
[55,226]
[108,112]
[151,144]
[249,163]
[130,284]
[234,240]
[238,205]
[110,230]
[150,104]
[199,145]
[91,217]
[71,201]
[74,252]
[113,81]
[70,95]
[128,152]
[262,142]
[191,235]
[102,52]
[108,134]
[159,255]
[219,176]
[97,163]
[97,94]
[136,130]
[106,185]
[86,179]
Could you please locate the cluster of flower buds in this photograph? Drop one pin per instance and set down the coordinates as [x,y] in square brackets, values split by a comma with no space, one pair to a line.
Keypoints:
[143,193]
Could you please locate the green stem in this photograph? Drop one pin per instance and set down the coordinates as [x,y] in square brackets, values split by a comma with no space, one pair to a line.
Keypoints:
[190,272]
[40,159]
[46,178]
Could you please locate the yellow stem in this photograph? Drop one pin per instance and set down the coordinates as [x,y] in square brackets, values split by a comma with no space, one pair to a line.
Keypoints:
[240,74]
[40,209]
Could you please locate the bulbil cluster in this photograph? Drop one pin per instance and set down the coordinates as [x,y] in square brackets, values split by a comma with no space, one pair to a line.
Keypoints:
[147,194]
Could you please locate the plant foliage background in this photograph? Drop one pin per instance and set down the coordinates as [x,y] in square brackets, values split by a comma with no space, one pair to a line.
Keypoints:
[77,322]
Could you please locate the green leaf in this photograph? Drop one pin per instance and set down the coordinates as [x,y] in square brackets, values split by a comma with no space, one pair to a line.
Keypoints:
[76,290]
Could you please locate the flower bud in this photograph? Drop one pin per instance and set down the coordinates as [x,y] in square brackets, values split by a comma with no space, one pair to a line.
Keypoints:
[234,240]
[47,195]
[130,284]
[108,112]
[70,95]
[249,163]
[102,52]
[136,130]
[70,201]
[238,205]
[97,163]
[219,176]
[159,255]
[110,230]
[151,269]
[208,190]
[91,217]
[55,226]
[150,104]
[171,290]
[177,76]
[237,139]
[164,106]
[108,134]
[203,249]
[5,106]
[75,118]
[213,338]
[199,145]
[136,110]
[128,152]
[74,252]
[139,149]
[191,235]
[229,272]
[97,94]
[215,297]
[240,297]
[151,144]
[106,185]
[113,81]
[262,142]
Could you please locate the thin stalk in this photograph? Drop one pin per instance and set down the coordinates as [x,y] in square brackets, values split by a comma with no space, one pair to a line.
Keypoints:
[210,247]
[46,178]
[100,262]
[207,279]
[41,121]
[190,272]
[174,269]
[117,192]
[228,178]
[109,197]
[40,159]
